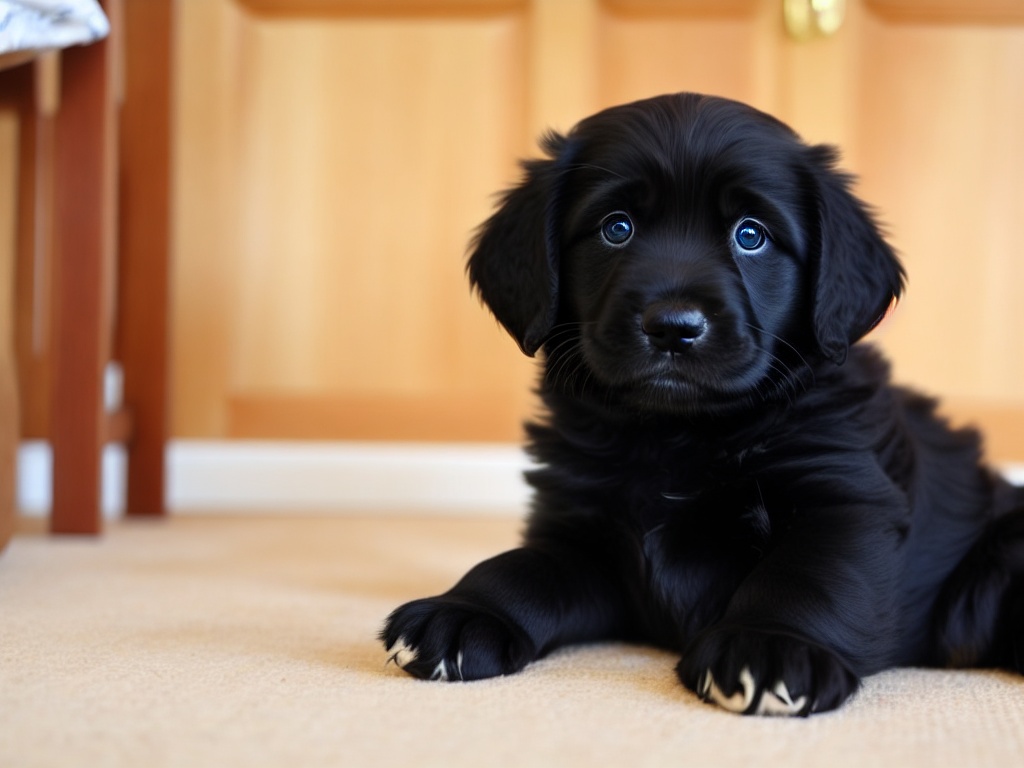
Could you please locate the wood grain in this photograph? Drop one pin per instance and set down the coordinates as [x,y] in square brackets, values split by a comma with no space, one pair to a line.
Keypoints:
[412,417]
[997,12]
[332,164]
[144,241]
[331,188]
[85,205]
[9,418]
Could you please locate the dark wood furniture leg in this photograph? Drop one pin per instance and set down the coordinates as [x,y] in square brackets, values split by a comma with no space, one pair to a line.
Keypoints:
[142,324]
[15,99]
[85,203]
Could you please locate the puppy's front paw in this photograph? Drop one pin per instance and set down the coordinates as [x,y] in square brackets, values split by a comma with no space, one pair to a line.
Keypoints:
[761,673]
[447,638]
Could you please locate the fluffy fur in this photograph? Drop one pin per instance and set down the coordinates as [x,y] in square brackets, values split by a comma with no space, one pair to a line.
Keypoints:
[722,469]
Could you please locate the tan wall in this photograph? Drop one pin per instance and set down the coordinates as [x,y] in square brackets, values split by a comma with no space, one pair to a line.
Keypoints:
[332,158]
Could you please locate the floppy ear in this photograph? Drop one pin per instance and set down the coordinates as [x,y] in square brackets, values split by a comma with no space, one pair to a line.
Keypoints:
[856,275]
[515,260]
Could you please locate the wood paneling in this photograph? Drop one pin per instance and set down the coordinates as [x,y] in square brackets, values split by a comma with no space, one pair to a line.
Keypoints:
[665,50]
[682,8]
[358,156]
[334,157]
[378,8]
[942,159]
[949,11]
[205,257]
[473,417]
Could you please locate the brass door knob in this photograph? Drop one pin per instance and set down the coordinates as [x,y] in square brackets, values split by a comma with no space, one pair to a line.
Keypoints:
[807,19]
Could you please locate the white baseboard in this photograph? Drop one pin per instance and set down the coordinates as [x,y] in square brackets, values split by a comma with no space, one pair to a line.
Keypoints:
[1014,473]
[286,477]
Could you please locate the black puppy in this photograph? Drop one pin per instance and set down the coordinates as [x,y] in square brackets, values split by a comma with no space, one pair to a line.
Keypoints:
[721,471]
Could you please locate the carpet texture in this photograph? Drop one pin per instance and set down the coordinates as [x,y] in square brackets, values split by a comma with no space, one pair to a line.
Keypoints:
[250,641]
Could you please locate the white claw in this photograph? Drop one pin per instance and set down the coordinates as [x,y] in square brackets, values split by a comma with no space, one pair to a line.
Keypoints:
[440,671]
[403,654]
[739,701]
[777,702]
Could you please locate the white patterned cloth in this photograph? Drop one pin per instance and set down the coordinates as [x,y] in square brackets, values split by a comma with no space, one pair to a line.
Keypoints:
[42,24]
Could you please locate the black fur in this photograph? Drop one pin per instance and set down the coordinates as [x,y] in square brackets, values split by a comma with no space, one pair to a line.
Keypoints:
[722,470]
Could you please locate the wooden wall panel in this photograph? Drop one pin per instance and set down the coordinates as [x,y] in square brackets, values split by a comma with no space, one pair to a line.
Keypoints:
[334,157]
[370,150]
[358,156]
[206,256]
[950,11]
[942,158]
[646,50]
[736,49]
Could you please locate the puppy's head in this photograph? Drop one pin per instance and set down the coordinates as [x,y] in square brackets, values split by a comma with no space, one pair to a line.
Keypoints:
[685,252]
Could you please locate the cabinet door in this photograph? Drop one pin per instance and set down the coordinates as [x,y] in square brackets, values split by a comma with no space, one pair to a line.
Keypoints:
[940,153]
[334,157]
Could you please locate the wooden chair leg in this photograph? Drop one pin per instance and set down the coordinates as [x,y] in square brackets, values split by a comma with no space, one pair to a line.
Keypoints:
[85,205]
[11,88]
[8,441]
[143,250]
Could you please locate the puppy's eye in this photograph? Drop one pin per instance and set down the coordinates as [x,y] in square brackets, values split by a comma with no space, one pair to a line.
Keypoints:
[750,235]
[616,229]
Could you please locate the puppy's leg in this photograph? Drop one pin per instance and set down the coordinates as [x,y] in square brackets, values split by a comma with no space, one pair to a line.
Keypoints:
[817,613]
[762,673]
[980,614]
[503,614]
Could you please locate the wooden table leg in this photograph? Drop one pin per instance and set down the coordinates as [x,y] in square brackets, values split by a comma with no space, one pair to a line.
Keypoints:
[85,206]
[8,443]
[143,247]
[9,419]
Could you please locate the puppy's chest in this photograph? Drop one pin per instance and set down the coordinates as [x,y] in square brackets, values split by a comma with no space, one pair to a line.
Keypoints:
[702,521]
[700,488]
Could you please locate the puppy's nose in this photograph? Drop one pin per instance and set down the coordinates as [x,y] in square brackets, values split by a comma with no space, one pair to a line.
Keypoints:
[672,328]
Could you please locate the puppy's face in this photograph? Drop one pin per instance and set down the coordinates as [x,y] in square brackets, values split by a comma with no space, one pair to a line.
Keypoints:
[685,255]
[684,263]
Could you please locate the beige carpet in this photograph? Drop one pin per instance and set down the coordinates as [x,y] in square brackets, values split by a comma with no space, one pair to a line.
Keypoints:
[249,641]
